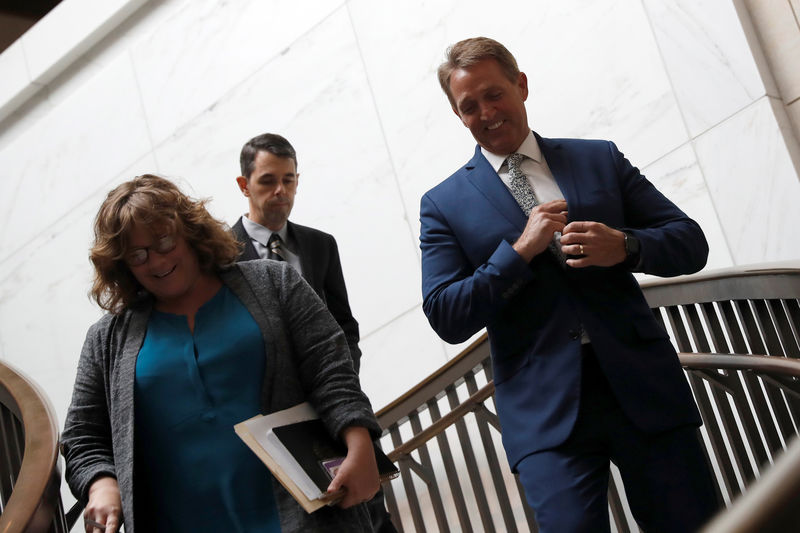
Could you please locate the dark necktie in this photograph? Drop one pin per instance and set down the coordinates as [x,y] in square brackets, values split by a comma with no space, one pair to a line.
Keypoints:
[523,193]
[275,245]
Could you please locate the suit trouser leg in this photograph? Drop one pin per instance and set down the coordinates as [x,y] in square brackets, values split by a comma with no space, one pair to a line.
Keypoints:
[667,479]
[567,486]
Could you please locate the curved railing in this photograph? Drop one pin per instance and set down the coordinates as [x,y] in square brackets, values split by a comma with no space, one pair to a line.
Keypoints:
[771,506]
[29,473]
[444,432]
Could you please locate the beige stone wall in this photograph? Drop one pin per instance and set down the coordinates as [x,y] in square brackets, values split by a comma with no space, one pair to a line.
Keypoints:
[777,26]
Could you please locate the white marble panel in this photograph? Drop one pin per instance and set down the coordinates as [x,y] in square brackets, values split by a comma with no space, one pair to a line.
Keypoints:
[69,30]
[347,183]
[70,153]
[708,59]
[44,308]
[398,356]
[452,350]
[678,176]
[135,28]
[208,47]
[22,117]
[754,185]
[593,70]
[14,78]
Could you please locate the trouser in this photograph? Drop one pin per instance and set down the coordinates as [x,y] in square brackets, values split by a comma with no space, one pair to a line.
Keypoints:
[666,476]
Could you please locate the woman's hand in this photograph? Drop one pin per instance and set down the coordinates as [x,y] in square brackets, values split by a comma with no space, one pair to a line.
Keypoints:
[358,473]
[104,507]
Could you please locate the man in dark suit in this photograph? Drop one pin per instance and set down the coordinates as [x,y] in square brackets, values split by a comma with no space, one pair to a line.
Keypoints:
[269,182]
[539,248]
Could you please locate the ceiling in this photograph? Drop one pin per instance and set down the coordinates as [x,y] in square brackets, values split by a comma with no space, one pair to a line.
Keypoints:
[16,16]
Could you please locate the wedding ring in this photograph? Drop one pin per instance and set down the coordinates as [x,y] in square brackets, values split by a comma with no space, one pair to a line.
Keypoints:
[581,248]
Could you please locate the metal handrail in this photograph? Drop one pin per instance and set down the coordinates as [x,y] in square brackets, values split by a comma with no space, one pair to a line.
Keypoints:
[35,502]
[472,403]
[771,505]
[761,364]
[444,432]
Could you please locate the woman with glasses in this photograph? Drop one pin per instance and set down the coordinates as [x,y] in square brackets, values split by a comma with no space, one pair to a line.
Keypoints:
[191,345]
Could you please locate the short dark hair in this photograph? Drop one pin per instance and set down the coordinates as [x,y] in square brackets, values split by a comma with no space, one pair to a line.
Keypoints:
[466,53]
[266,142]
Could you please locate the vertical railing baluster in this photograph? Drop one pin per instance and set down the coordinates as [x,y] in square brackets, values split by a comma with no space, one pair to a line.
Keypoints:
[615,507]
[530,514]
[792,309]
[763,418]
[777,402]
[391,505]
[471,464]
[408,483]
[451,471]
[704,405]
[433,489]
[720,397]
[494,464]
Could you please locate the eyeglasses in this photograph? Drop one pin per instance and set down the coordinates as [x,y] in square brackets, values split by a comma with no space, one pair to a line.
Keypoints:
[138,256]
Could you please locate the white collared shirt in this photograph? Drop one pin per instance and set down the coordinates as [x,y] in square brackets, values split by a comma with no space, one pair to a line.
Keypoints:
[533,166]
[260,236]
[539,176]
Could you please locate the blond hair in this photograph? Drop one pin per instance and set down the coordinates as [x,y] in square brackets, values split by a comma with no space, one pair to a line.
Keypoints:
[466,53]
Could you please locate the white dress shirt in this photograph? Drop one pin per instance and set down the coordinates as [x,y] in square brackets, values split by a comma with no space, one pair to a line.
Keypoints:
[260,236]
[541,180]
[533,166]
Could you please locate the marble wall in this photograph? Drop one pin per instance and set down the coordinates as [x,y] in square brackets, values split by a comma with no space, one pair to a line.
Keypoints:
[180,85]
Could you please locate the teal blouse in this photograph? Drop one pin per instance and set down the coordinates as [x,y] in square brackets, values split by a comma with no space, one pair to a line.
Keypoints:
[192,472]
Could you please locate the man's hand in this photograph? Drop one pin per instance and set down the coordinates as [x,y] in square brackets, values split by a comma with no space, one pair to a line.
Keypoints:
[544,220]
[595,243]
[104,507]
[358,473]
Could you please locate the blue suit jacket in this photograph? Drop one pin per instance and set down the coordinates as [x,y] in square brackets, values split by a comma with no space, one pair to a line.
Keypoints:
[472,278]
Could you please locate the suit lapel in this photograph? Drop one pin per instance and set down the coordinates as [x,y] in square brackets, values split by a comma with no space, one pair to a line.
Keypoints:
[481,174]
[304,249]
[300,248]
[249,251]
[559,165]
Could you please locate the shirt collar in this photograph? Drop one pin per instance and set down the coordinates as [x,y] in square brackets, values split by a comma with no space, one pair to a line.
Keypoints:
[529,148]
[261,233]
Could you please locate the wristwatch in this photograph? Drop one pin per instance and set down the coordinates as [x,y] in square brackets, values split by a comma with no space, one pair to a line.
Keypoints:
[632,250]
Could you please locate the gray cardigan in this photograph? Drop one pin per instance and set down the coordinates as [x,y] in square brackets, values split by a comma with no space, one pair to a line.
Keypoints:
[308,361]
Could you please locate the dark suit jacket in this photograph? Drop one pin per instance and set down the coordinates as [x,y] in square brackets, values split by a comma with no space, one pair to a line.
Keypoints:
[322,269]
[472,278]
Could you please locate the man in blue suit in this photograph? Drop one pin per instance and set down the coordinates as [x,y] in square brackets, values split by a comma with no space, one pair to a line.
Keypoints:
[538,248]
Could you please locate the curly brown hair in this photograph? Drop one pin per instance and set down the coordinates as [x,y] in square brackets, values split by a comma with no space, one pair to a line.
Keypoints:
[158,203]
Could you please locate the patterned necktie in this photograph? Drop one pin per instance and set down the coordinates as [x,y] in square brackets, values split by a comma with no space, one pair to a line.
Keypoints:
[523,193]
[275,245]
[520,187]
